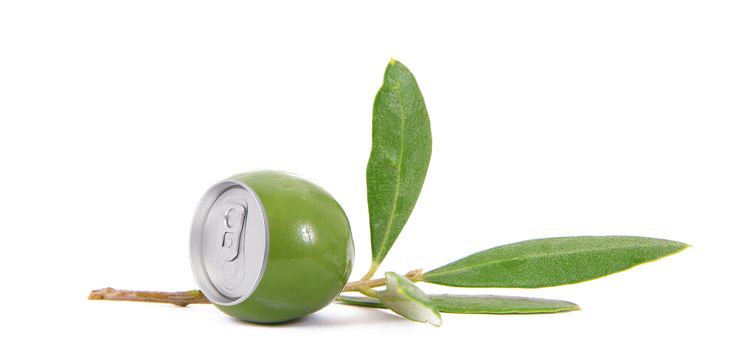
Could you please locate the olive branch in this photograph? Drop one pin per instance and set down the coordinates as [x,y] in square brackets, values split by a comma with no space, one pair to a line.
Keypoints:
[397,167]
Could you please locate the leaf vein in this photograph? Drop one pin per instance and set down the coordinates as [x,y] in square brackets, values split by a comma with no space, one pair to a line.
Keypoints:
[399,167]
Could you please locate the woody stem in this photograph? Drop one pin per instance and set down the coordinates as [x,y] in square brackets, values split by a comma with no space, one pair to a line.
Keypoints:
[175,298]
[197,297]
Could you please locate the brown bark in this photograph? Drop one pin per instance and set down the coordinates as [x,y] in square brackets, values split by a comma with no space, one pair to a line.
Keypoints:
[175,298]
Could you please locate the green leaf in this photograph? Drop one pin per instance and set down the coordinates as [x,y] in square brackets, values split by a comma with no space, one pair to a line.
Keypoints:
[479,304]
[551,261]
[401,149]
[407,300]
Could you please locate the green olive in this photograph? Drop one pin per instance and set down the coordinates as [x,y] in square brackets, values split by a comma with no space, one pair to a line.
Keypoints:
[309,256]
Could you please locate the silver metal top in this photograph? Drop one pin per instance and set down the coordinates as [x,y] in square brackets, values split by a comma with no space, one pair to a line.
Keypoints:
[229,242]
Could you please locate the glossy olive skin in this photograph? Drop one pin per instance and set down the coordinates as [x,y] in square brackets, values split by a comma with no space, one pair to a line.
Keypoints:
[311,250]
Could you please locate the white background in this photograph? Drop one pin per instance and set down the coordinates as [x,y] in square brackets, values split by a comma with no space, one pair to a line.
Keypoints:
[550,118]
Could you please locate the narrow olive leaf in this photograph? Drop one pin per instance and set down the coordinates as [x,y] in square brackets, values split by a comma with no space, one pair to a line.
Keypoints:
[401,149]
[551,261]
[407,300]
[479,304]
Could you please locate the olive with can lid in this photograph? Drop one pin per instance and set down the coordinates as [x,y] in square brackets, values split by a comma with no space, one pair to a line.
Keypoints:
[270,247]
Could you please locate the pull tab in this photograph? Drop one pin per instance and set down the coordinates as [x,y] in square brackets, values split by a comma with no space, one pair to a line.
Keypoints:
[233,223]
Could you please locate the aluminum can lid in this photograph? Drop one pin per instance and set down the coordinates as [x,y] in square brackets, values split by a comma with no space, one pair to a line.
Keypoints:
[229,244]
